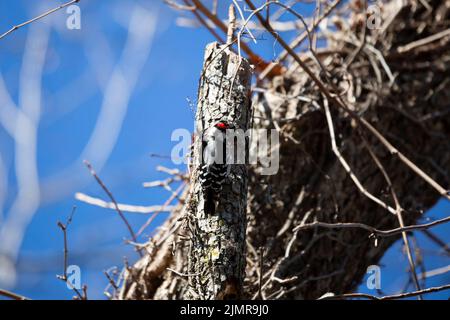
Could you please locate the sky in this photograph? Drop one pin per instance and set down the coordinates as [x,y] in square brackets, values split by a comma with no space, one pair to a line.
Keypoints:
[81,86]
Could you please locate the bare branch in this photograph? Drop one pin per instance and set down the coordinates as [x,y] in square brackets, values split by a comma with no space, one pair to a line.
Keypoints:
[297,41]
[116,206]
[398,212]
[346,166]
[178,6]
[381,233]
[12,295]
[123,207]
[434,272]
[81,295]
[424,41]
[38,17]
[437,241]
[390,297]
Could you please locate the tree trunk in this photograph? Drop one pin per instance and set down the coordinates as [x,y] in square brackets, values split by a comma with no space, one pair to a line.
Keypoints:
[216,264]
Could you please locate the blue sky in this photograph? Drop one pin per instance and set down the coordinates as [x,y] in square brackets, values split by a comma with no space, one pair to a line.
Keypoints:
[76,72]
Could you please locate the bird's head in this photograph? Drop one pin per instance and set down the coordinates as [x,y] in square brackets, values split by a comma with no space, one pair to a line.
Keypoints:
[223,125]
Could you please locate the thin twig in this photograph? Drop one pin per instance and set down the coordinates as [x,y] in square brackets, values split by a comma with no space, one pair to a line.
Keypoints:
[390,297]
[205,23]
[231,24]
[434,272]
[243,18]
[346,166]
[260,278]
[64,227]
[399,215]
[116,206]
[155,214]
[124,207]
[181,274]
[362,43]
[297,41]
[178,6]
[381,233]
[111,280]
[64,277]
[437,240]
[14,28]
[12,295]
[253,57]
[424,41]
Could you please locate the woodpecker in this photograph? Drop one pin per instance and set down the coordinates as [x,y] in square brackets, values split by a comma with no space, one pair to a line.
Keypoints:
[213,169]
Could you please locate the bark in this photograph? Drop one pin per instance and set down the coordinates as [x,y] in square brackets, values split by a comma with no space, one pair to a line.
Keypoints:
[398,85]
[214,243]
[217,241]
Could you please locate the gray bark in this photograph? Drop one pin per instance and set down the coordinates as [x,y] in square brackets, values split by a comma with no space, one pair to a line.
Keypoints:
[217,242]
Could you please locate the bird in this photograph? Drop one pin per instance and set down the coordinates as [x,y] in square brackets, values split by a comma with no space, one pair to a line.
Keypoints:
[213,169]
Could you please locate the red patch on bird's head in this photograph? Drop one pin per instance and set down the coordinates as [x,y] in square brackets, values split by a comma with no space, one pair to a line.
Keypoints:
[222,125]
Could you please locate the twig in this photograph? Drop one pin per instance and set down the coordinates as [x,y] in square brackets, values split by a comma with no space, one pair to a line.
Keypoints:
[111,280]
[205,23]
[412,45]
[390,297]
[243,18]
[381,233]
[346,166]
[173,172]
[116,206]
[252,56]
[12,295]
[64,227]
[296,42]
[437,240]
[399,215]
[260,278]
[166,183]
[182,274]
[14,28]
[434,272]
[64,277]
[231,24]
[178,6]
[154,215]
[123,207]
[362,43]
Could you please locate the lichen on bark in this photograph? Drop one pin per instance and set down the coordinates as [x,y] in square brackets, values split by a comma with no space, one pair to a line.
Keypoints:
[217,242]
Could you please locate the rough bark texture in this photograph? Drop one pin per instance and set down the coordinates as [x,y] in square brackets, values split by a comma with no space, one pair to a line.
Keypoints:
[404,91]
[217,241]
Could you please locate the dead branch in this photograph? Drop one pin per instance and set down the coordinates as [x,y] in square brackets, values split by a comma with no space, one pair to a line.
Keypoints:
[113,200]
[82,295]
[12,295]
[381,233]
[123,207]
[14,28]
[390,297]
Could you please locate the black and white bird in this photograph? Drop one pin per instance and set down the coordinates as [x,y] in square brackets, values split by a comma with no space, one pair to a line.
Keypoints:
[213,169]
